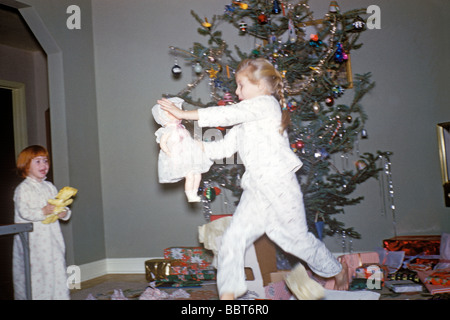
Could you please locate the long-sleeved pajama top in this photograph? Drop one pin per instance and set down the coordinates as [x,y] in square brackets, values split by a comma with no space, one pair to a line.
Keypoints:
[255,135]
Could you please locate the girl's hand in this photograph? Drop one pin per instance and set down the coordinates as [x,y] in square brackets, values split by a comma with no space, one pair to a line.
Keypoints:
[48,209]
[62,214]
[170,107]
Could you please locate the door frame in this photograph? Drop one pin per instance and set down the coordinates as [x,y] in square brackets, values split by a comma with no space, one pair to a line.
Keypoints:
[19,114]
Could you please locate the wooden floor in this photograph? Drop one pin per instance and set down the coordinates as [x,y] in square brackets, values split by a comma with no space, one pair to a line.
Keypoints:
[135,278]
[140,278]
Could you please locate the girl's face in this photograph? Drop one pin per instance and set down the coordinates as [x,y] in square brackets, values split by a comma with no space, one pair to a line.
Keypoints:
[39,167]
[247,90]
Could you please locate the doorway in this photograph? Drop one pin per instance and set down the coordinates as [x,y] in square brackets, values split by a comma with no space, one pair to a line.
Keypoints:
[9,180]
[23,95]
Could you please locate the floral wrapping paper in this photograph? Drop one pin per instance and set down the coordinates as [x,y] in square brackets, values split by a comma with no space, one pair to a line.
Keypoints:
[175,270]
[193,255]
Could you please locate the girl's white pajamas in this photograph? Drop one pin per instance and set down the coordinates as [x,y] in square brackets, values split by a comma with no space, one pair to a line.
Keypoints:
[46,243]
[272,201]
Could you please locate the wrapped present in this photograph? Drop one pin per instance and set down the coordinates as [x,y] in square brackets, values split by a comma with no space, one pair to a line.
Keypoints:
[166,270]
[157,269]
[439,277]
[371,271]
[189,275]
[404,275]
[356,260]
[195,255]
[414,245]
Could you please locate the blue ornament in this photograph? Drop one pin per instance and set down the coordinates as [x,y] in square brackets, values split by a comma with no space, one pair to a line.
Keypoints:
[276,7]
[319,228]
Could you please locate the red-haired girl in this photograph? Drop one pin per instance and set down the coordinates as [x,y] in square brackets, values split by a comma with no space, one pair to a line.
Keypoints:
[46,243]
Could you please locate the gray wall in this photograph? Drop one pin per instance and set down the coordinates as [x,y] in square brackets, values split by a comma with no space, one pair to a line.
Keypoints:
[118,64]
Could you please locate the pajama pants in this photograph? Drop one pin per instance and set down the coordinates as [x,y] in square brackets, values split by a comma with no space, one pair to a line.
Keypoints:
[273,205]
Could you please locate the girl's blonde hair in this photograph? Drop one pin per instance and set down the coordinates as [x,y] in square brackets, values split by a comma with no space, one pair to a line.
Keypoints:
[260,69]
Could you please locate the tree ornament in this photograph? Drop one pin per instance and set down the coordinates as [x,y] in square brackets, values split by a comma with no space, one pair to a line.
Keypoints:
[292,106]
[243,27]
[329,101]
[210,193]
[316,107]
[340,55]
[360,165]
[297,145]
[358,24]
[262,18]
[176,69]
[338,126]
[364,134]
[206,24]
[314,41]
[292,33]
[198,68]
[228,98]
[319,223]
[334,7]
[337,91]
[229,9]
[321,154]
[276,7]
[241,5]
[212,73]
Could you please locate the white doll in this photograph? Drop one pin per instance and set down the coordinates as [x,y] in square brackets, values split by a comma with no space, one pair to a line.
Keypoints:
[180,156]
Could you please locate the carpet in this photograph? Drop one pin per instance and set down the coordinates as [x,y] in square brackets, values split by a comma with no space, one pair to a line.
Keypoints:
[141,291]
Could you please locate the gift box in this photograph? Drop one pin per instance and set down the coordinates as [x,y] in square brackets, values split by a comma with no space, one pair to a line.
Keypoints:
[158,269]
[371,271]
[194,255]
[404,275]
[166,270]
[414,245]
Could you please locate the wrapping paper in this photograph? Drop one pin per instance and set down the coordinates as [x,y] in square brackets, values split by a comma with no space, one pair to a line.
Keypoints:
[414,245]
[194,255]
[439,277]
[356,260]
[166,270]
[372,271]
[157,269]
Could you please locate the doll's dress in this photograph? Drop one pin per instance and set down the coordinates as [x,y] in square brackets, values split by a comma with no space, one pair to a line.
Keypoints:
[186,154]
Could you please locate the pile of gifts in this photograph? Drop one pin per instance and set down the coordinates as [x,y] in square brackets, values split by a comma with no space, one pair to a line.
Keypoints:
[181,266]
[404,264]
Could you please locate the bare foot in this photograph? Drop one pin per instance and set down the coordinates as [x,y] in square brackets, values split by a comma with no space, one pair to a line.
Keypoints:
[342,278]
[227,296]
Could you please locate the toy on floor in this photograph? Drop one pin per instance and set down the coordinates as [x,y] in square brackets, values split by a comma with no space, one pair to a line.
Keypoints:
[61,201]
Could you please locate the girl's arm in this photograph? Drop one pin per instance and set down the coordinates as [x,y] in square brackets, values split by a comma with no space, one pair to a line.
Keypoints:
[223,148]
[29,209]
[244,111]
[170,107]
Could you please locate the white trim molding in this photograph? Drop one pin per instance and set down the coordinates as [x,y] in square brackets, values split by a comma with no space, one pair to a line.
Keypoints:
[99,268]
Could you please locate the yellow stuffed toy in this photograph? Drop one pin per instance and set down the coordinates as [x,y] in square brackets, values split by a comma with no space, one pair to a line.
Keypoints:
[61,201]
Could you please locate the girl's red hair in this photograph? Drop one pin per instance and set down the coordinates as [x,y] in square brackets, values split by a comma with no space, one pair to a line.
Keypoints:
[25,157]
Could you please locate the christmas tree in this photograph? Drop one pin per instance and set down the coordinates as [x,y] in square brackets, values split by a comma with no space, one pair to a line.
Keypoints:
[313,55]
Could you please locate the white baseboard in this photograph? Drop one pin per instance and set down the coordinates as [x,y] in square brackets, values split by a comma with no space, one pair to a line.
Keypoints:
[99,268]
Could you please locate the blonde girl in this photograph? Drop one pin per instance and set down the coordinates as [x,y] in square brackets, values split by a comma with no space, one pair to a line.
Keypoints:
[272,201]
